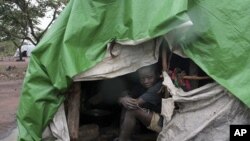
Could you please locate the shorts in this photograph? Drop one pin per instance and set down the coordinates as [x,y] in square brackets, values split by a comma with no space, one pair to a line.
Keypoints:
[155,123]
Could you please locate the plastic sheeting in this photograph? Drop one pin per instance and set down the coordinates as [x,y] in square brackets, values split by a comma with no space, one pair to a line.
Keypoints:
[205,113]
[127,59]
[57,129]
[219,42]
[77,41]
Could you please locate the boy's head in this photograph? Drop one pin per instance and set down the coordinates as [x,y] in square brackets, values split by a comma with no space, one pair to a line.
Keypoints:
[148,76]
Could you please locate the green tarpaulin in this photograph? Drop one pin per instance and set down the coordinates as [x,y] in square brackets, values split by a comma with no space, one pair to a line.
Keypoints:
[218,43]
[76,42]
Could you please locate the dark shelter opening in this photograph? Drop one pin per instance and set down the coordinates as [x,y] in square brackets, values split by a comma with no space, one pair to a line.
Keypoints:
[100,112]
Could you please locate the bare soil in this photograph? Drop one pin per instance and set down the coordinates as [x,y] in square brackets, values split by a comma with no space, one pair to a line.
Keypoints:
[11,77]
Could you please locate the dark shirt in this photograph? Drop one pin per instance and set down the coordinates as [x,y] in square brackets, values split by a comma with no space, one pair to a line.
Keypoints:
[151,96]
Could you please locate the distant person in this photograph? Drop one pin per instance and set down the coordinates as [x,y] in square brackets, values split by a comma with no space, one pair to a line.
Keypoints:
[24,54]
[142,104]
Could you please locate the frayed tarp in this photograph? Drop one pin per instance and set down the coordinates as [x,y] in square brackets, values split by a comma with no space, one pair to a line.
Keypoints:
[205,113]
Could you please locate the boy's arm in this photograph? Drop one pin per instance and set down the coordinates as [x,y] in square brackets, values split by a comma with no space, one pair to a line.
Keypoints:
[127,101]
[140,101]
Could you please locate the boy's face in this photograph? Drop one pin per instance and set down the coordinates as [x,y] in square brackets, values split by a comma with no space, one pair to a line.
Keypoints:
[147,77]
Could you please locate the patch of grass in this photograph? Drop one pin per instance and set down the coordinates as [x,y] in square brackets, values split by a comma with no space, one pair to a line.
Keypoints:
[7,48]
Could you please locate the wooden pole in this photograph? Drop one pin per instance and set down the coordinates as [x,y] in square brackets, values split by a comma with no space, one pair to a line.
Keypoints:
[165,68]
[164,59]
[193,70]
[194,77]
[74,110]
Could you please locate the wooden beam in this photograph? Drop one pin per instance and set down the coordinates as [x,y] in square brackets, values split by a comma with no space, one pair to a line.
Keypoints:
[74,110]
[194,77]
[165,68]
[164,59]
[193,70]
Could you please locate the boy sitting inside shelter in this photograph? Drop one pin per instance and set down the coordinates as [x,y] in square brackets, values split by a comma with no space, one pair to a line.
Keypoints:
[142,104]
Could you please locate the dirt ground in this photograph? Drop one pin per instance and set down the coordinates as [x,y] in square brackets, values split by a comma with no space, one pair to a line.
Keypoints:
[11,77]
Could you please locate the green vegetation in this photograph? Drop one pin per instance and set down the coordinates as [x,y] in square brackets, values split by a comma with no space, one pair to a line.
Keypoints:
[19,20]
[7,48]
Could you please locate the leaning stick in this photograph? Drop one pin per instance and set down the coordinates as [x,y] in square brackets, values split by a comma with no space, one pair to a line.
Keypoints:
[194,77]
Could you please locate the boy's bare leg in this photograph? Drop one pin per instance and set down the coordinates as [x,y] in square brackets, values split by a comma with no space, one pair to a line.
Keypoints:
[127,126]
[129,122]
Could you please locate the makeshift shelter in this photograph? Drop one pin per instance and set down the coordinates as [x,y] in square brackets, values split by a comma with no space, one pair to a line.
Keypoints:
[78,41]
[26,50]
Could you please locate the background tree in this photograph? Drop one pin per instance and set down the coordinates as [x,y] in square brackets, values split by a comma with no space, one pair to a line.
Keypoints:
[20,19]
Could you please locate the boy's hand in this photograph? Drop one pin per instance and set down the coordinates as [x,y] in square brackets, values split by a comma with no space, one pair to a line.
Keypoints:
[129,103]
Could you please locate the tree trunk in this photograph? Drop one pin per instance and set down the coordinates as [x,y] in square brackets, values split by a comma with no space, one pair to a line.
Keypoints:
[20,54]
